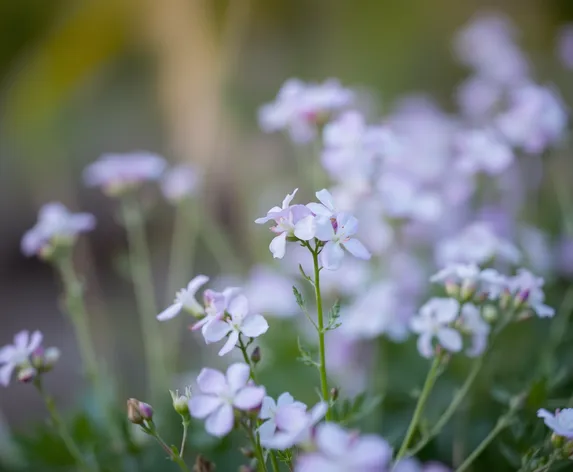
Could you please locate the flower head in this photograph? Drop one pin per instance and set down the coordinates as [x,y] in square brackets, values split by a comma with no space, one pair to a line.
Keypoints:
[17,355]
[561,422]
[55,226]
[116,173]
[185,299]
[180,182]
[434,320]
[236,321]
[221,394]
[273,414]
[528,289]
[338,450]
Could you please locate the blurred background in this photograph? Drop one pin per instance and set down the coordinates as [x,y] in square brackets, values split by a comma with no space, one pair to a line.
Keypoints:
[184,78]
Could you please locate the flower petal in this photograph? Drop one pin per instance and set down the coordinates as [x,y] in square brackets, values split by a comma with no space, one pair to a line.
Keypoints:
[323,228]
[357,249]
[196,283]
[332,440]
[285,399]
[21,340]
[450,339]
[331,255]
[268,408]
[288,198]
[325,197]
[170,312]
[278,246]
[254,325]
[347,224]
[230,344]
[216,330]
[211,381]
[249,398]
[201,406]
[425,345]
[313,462]
[35,341]
[238,307]
[267,429]
[221,421]
[237,376]
[305,228]
[371,452]
[6,374]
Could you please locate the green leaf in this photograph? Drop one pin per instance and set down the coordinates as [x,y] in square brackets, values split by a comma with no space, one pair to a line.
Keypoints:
[353,410]
[299,299]
[305,356]
[333,317]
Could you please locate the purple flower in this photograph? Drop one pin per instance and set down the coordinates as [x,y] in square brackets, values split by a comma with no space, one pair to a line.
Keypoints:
[216,303]
[413,465]
[272,413]
[237,321]
[338,450]
[55,225]
[185,299]
[300,108]
[180,182]
[561,422]
[529,288]
[482,151]
[535,120]
[221,394]
[115,173]
[434,320]
[478,97]
[18,354]
[565,46]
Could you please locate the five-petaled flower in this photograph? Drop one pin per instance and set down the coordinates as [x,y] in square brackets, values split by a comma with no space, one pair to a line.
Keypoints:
[221,394]
[17,355]
[273,413]
[561,422]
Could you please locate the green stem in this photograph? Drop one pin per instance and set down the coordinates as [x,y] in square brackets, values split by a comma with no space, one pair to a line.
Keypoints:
[144,291]
[274,461]
[261,466]
[186,423]
[502,423]
[60,427]
[320,322]
[247,359]
[174,457]
[417,416]
[452,408]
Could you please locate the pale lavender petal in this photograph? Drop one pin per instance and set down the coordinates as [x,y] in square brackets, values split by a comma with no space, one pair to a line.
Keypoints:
[450,339]
[221,421]
[289,197]
[425,345]
[254,325]
[347,224]
[331,255]
[285,399]
[448,310]
[237,376]
[371,451]
[305,228]
[291,418]
[202,406]
[197,282]
[325,198]
[319,209]
[216,330]
[6,374]
[332,440]
[230,344]
[35,341]
[267,429]
[170,312]
[323,228]
[313,462]
[249,398]
[267,408]
[357,249]
[6,354]
[21,340]
[238,307]
[318,411]
[278,246]
[211,381]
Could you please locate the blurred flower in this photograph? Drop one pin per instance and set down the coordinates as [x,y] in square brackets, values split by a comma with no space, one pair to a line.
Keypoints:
[473,324]
[55,226]
[296,426]
[17,355]
[116,173]
[457,278]
[185,299]
[478,97]
[270,292]
[434,320]
[536,248]
[528,289]
[301,108]
[413,465]
[535,120]
[180,182]
[271,411]
[220,394]
[236,321]
[480,150]
[338,450]
[565,46]
[564,256]
[291,221]
[561,422]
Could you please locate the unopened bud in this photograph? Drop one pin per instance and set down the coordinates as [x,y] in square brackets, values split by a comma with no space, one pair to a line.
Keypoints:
[51,357]
[133,413]
[181,402]
[452,289]
[490,313]
[27,374]
[557,441]
[256,355]
[467,291]
[249,453]
[146,411]
[505,299]
[203,465]
[334,394]
[521,298]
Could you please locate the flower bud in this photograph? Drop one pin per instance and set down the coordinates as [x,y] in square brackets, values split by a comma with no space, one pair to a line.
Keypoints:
[467,290]
[249,453]
[521,299]
[452,289]
[27,374]
[334,394]
[246,468]
[256,355]
[181,402]
[505,299]
[51,357]
[37,357]
[146,411]
[203,465]
[490,313]
[133,413]
[557,441]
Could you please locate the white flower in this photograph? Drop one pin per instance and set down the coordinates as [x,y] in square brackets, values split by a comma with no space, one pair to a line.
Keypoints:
[17,355]
[482,151]
[216,303]
[434,320]
[55,224]
[473,324]
[180,182]
[529,288]
[561,423]
[295,220]
[463,280]
[326,206]
[220,394]
[338,235]
[271,411]
[185,299]
[238,322]
[296,426]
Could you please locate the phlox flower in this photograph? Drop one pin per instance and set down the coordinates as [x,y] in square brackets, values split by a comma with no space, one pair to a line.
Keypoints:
[17,355]
[185,299]
[528,288]
[481,150]
[237,321]
[561,422]
[300,108]
[295,426]
[180,182]
[221,394]
[291,221]
[55,225]
[272,412]
[338,450]
[434,320]
[115,173]
[472,323]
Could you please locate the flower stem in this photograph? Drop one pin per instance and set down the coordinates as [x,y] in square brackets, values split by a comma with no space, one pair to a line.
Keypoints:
[174,457]
[416,417]
[60,427]
[261,466]
[320,322]
[452,408]
[144,291]
[247,359]
[274,461]
[186,423]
